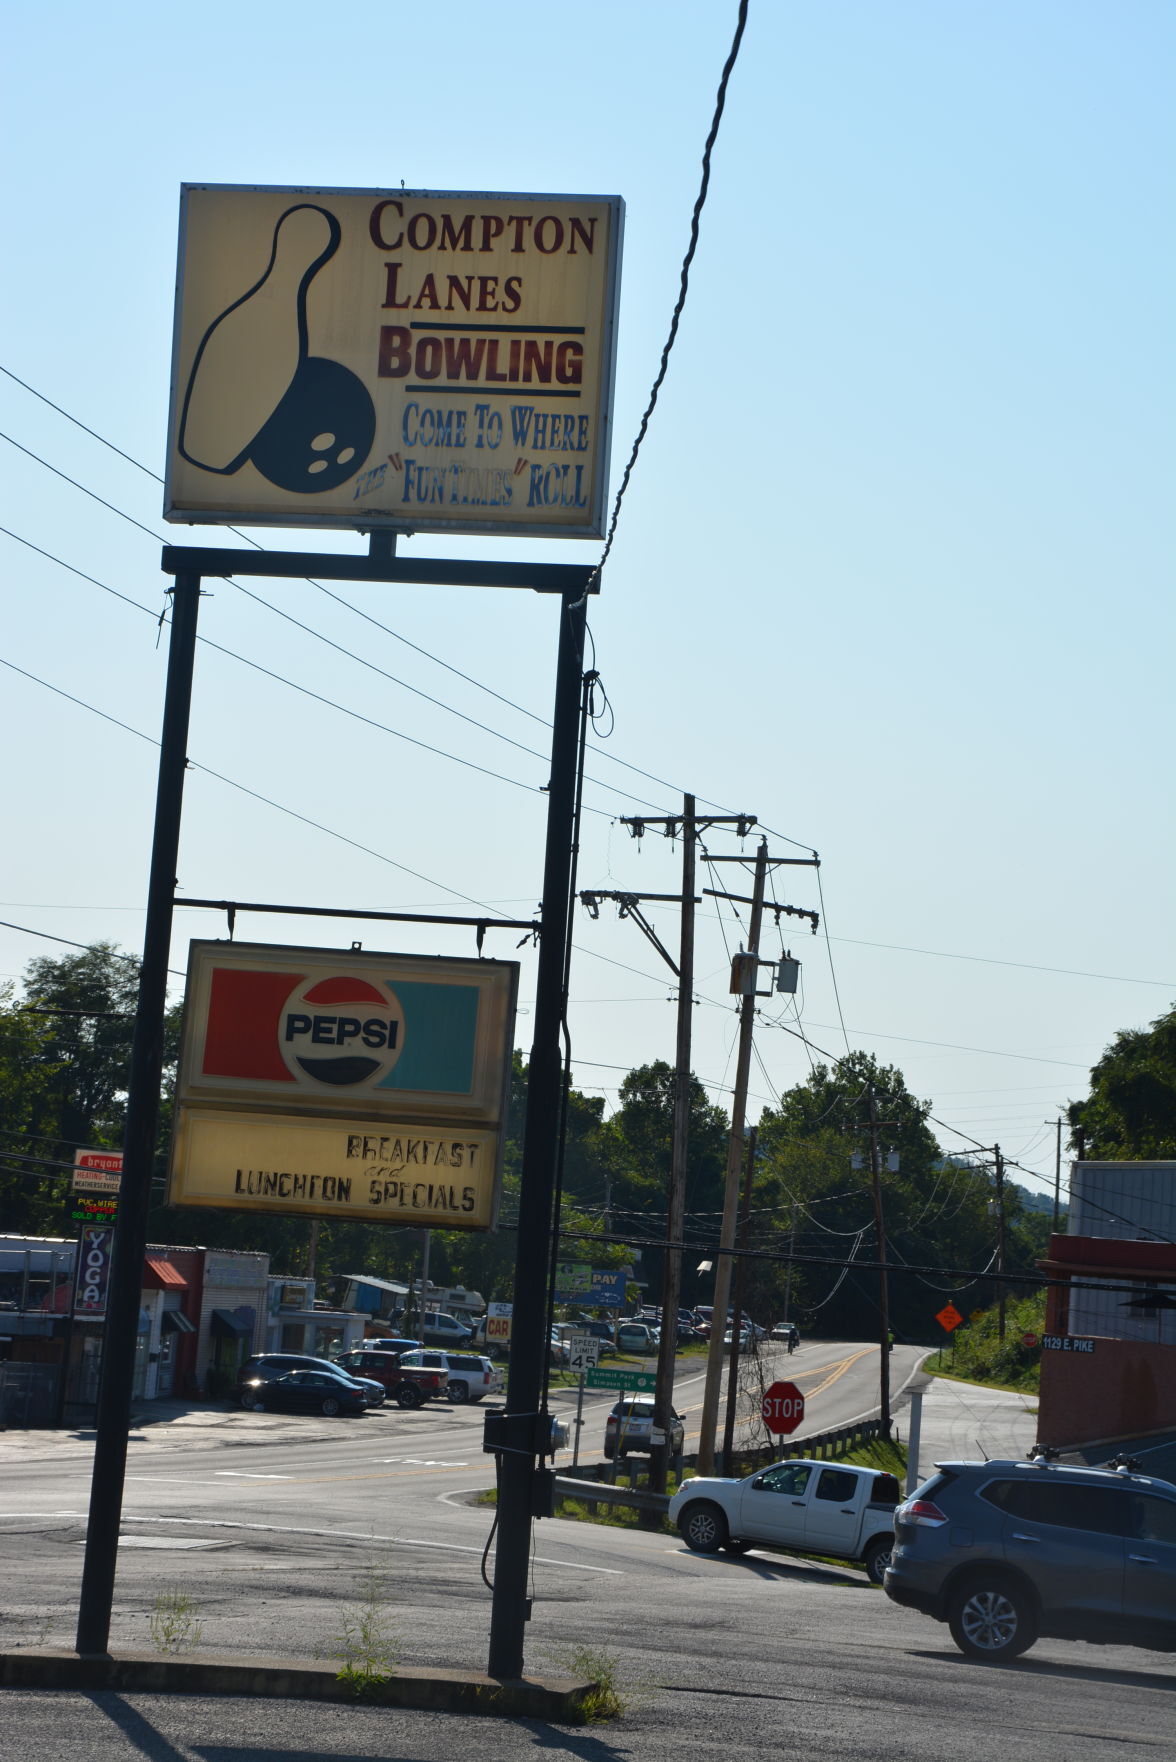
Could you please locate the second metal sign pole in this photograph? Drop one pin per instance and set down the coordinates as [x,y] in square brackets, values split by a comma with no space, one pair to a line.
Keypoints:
[130,1238]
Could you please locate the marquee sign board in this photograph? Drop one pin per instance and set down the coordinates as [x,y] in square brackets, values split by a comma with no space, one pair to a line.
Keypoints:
[345,1085]
[394,358]
[97,1171]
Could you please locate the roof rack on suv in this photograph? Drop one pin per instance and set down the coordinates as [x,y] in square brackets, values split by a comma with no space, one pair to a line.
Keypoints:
[1044,1454]
[1124,1464]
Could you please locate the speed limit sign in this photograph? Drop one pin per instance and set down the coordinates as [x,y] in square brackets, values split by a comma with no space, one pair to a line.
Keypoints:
[585,1352]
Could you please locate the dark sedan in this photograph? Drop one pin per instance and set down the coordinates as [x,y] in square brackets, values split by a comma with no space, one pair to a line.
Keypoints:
[309,1391]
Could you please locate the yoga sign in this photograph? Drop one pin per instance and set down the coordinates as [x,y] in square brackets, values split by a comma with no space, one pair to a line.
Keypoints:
[394,359]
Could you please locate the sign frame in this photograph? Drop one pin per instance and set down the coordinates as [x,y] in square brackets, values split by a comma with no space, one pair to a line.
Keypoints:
[352,504]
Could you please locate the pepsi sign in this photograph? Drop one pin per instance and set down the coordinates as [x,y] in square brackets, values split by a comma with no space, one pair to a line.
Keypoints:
[400,1063]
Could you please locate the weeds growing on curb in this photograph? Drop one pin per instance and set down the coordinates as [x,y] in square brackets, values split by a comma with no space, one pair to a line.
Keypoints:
[600,1668]
[175,1622]
[367,1644]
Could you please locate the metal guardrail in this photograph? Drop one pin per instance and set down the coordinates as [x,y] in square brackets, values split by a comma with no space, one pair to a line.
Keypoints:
[601,1493]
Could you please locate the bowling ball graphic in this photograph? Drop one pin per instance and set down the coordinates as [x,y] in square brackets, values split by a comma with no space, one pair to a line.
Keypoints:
[342,1031]
[321,432]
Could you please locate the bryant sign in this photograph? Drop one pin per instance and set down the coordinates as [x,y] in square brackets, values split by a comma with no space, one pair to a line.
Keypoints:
[367,358]
[343,1085]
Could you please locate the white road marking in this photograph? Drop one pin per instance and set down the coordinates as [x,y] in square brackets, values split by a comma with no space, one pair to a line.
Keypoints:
[241,1474]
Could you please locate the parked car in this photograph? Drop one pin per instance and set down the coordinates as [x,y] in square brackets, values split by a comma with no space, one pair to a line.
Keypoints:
[629,1427]
[428,1361]
[811,1507]
[603,1330]
[1005,1552]
[308,1391]
[559,1352]
[407,1385]
[472,1377]
[266,1367]
[636,1337]
[446,1330]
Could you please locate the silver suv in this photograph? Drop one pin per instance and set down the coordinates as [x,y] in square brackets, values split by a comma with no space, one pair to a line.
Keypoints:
[1005,1552]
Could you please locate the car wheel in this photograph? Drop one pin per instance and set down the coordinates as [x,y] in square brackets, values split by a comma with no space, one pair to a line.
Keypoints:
[408,1396]
[330,1406]
[459,1392]
[992,1619]
[251,1403]
[877,1558]
[703,1527]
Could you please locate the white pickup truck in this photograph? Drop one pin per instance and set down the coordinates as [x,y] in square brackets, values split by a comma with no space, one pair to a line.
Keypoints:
[830,1508]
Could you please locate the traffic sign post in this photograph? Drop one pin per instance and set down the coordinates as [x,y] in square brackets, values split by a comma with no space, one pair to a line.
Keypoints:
[583,1356]
[782,1408]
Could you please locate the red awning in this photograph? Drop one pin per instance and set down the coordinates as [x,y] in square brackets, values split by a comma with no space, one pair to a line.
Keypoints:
[161,1275]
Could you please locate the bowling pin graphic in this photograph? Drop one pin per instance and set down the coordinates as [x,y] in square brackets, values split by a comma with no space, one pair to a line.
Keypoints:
[255,391]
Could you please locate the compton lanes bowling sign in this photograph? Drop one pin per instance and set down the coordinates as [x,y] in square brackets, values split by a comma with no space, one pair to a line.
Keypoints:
[352,358]
[349,1085]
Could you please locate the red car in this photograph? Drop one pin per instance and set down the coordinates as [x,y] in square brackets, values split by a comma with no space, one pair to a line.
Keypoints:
[408,1385]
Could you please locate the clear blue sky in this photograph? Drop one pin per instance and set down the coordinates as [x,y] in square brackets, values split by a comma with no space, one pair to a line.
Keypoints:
[894,572]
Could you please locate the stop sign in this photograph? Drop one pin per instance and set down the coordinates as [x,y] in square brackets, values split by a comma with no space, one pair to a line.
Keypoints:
[782,1407]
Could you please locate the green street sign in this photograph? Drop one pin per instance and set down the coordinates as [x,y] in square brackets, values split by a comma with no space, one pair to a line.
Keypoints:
[639,1382]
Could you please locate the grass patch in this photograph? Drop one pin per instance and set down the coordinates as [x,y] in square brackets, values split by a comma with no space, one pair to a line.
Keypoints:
[367,1645]
[600,1667]
[175,1621]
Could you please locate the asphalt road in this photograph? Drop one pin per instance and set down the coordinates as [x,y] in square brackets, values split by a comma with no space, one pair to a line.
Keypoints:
[271,1524]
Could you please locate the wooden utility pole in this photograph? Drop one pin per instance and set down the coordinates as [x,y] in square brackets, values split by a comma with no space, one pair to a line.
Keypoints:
[883,1283]
[691,825]
[676,1198]
[746,965]
[740,1298]
[1001,1295]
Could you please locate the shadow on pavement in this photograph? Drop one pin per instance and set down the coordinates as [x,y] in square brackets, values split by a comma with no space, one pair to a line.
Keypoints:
[1030,1666]
[138,1731]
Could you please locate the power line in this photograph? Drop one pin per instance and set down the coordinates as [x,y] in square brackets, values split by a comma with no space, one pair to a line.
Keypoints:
[255,794]
[329,593]
[684,281]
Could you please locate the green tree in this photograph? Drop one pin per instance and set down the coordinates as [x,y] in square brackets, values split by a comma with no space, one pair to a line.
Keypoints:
[814,1191]
[1131,1109]
[65,1048]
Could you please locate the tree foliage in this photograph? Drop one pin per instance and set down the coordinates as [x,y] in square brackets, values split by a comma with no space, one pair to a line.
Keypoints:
[1131,1109]
[813,1200]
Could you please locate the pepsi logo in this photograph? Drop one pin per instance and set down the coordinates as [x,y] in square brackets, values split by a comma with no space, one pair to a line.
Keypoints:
[343,1031]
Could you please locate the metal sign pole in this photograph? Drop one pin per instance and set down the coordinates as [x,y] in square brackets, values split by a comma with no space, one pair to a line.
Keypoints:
[130,1239]
[528,1359]
[579,1420]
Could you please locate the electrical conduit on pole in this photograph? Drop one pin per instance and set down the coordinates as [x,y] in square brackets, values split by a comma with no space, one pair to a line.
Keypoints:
[714,1361]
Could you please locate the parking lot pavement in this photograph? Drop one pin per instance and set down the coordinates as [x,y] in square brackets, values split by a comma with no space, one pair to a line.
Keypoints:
[965,1422]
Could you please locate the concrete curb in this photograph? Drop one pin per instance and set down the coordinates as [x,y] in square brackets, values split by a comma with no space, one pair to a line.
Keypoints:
[559,1700]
